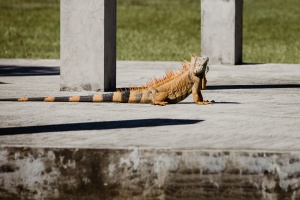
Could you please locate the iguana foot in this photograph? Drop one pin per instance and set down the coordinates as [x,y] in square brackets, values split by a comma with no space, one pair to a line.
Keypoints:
[161,103]
[205,102]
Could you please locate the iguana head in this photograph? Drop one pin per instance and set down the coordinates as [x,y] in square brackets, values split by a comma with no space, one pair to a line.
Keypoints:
[200,65]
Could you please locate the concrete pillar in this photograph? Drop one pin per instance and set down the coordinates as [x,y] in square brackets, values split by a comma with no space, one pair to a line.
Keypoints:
[88,45]
[221,30]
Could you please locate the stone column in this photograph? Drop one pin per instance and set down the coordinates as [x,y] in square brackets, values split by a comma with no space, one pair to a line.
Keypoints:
[221,30]
[88,45]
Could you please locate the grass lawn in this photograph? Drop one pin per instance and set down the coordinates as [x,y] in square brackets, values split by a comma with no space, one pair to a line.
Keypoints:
[271,30]
[154,30]
[29,29]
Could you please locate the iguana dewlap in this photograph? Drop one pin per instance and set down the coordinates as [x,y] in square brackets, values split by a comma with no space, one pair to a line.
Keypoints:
[172,88]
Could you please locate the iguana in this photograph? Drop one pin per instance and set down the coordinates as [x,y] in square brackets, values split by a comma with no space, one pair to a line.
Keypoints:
[172,88]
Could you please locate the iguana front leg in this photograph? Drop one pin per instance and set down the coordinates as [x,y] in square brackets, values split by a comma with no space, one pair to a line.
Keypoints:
[197,95]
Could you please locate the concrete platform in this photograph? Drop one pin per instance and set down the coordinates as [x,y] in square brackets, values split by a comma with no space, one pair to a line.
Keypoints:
[246,145]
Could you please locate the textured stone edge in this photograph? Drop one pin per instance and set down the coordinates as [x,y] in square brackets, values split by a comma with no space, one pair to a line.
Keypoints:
[61,173]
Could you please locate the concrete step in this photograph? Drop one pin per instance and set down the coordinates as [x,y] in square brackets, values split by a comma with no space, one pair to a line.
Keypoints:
[246,145]
[69,173]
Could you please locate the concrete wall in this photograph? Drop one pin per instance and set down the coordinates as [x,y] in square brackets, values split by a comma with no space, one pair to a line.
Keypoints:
[221,30]
[88,45]
[43,173]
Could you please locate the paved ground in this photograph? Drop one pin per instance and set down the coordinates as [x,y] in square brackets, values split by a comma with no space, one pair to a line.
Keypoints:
[257,107]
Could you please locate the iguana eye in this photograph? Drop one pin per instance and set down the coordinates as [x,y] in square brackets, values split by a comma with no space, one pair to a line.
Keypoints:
[205,58]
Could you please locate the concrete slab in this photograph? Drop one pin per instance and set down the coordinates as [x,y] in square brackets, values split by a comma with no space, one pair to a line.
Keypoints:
[245,146]
[257,107]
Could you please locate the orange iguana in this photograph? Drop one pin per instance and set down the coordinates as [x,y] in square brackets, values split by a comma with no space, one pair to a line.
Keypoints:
[172,88]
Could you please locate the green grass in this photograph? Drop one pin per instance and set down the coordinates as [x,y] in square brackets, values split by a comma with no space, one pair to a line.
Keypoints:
[154,30]
[271,31]
[29,29]
[158,30]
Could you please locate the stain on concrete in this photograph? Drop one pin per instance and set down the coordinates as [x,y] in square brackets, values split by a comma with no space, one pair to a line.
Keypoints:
[87,87]
[43,173]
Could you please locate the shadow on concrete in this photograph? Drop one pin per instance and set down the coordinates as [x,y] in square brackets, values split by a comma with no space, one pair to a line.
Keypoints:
[13,70]
[247,63]
[216,102]
[87,126]
[267,86]
[226,102]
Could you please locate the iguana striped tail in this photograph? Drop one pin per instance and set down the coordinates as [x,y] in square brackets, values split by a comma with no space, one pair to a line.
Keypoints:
[121,96]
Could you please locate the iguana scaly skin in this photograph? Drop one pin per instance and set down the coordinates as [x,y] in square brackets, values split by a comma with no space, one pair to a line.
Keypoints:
[172,88]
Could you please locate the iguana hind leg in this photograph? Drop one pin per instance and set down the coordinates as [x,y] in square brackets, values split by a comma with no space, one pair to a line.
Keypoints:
[159,98]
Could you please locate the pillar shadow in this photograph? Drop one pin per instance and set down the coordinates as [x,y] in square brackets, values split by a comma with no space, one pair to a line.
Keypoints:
[248,63]
[86,126]
[14,70]
[267,86]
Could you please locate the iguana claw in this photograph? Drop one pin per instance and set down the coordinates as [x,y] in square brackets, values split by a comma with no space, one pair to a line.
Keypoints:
[161,103]
[205,102]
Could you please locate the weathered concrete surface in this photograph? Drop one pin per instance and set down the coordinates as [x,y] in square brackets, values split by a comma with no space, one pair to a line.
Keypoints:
[221,30]
[43,173]
[257,107]
[88,45]
[244,146]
